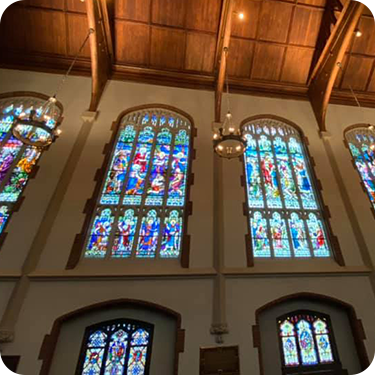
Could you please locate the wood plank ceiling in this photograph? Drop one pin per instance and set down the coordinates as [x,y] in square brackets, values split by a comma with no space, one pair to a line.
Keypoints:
[174,42]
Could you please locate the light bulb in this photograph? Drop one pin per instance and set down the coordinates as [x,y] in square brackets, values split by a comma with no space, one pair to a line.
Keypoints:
[48,111]
[228,115]
[372,147]
[238,148]
[231,130]
[241,16]
[358,33]
[371,128]
[220,147]
[58,132]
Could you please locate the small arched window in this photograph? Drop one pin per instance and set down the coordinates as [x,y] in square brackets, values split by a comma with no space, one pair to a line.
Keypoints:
[307,343]
[285,213]
[116,347]
[359,140]
[141,210]
[17,161]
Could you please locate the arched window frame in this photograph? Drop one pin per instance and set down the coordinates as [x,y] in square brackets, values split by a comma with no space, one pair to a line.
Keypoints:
[348,132]
[111,327]
[81,239]
[7,99]
[310,317]
[315,182]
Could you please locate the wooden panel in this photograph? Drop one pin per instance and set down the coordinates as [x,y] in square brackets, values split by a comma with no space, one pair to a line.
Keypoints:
[341,73]
[297,65]
[267,62]
[240,56]
[167,48]
[200,52]
[305,26]
[357,73]
[46,31]
[137,10]
[13,37]
[169,12]
[132,42]
[246,28]
[318,3]
[77,32]
[219,360]
[203,15]
[274,21]
[371,86]
[52,4]
[76,6]
[366,43]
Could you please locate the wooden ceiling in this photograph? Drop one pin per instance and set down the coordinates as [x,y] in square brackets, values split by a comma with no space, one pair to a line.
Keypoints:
[174,42]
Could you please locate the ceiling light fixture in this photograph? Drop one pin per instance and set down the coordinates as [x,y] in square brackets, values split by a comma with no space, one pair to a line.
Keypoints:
[37,127]
[227,139]
[357,33]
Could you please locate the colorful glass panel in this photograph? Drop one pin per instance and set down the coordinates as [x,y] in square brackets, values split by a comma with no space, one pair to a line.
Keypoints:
[323,342]
[171,240]
[146,184]
[137,360]
[280,240]
[4,216]
[289,344]
[124,239]
[268,168]
[119,165]
[116,353]
[306,343]
[254,187]
[99,237]
[299,239]
[300,169]
[317,236]
[148,235]
[259,232]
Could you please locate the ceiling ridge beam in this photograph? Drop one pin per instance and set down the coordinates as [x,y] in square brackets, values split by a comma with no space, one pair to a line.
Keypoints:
[326,70]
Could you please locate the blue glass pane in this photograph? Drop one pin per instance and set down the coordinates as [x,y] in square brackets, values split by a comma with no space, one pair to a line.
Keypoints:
[148,235]
[280,239]
[259,233]
[306,343]
[299,239]
[318,237]
[172,235]
[116,353]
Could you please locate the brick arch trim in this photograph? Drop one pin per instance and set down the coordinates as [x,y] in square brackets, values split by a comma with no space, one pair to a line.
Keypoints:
[355,324]
[50,341]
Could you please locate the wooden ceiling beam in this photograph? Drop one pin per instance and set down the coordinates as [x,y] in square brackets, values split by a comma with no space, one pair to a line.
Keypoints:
[221,56]
[101,48]
[327,68]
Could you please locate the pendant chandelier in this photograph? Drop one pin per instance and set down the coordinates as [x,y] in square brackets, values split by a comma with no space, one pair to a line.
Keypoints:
[227,138]
[37,127]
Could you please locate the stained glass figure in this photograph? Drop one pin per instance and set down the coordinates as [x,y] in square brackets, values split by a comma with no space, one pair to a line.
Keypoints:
[145,188]
[289,344]
[119,347]
[359,140]
[306,341]
[17,160]
[171,241]
[259,232]
[280,193]
[98,242]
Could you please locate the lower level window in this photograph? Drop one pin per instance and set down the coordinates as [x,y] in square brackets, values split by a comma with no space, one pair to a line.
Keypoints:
[307,343]
[120,347]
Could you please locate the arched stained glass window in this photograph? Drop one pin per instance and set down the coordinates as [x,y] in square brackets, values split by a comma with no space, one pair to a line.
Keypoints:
[307,342]
[116,347]
[359,140]
[141,209]
[17,160]
[285,215]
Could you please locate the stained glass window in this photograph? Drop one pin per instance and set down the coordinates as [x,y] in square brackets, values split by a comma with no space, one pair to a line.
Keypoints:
[360,140]
[140,211]
[285,215]
[16,159]
[120,347]
[306,340]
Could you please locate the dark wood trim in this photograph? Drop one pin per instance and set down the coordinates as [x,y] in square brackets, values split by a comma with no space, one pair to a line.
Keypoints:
[337,253]
[80,238]
[11,362]
[48,347]
[17,205]
[355,324]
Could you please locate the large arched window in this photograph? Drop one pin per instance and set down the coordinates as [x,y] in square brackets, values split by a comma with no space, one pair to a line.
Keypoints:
[17,161]
[359,140]
[307,343]
[116,347]
[285,215]
[141,209]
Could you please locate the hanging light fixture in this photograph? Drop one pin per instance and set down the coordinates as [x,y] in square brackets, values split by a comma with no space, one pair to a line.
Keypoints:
[37,127]
[371,128]
[227,138]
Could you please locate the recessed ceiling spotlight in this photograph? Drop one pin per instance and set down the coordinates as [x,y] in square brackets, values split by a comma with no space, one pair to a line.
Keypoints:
[241,16]
[358,33]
